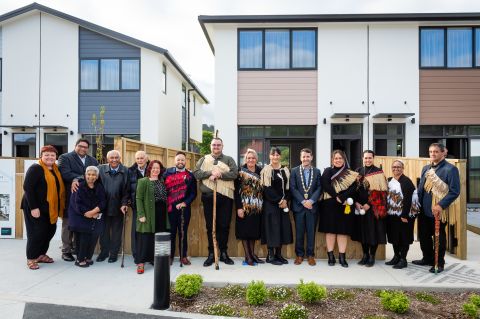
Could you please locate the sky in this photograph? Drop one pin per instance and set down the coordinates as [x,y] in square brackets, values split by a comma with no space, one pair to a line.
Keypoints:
[173,24]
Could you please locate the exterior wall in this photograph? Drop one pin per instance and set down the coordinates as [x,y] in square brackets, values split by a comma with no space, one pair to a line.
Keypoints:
[122,114]
[277,97]
[225,42]
[196,120]
[1,74]
[450,97]
[393,78]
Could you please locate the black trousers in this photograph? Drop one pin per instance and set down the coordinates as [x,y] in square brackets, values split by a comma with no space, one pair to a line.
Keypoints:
[224,216]
[145,248]
[426,231]
[133,233]
[85,242]
[39,234]
[111,239]
[175,218]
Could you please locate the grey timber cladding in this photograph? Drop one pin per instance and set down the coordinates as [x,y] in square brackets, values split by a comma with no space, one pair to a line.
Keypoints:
[122,114]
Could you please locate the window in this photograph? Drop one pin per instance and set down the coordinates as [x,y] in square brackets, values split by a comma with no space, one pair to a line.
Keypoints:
[277,49]
[89,75]
[24,144]
[164,78]
[388,139]
[184,117]
[452,47]
[110,74]
[58,140]
[130,74]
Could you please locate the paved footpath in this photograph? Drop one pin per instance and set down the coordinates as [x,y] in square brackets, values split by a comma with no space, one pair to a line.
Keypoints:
[121,293]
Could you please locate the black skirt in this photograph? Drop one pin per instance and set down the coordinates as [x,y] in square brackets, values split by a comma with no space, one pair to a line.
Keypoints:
[398,232]
[332,218]
[276,226]
[248,227]
[368,229]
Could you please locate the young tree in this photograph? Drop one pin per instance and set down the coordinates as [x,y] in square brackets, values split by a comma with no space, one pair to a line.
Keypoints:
[98,124]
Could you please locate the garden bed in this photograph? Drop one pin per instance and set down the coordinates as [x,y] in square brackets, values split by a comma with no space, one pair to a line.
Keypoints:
[339,303]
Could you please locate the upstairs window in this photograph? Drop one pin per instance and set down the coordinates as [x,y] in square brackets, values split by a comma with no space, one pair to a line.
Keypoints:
[130,74]
[277,49]
[164,78]
[110,74]
[89,75]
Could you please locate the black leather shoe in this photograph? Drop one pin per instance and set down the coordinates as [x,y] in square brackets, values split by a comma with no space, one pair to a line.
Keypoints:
[342,260]
[209,261]
[272,260]
[393,261]
[257,260]
[101,258]
[439,270]
[422,262]
[364,260]
[331,258]
[402,263]
[224,257]
[67,257]
[371,261]
[112,259]
[279,257]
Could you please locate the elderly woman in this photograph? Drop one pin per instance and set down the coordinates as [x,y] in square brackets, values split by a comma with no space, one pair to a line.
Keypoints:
[43,202]
[277,229]
[399,221]
[338,183]
[85,211]
[152,216]
[249,200]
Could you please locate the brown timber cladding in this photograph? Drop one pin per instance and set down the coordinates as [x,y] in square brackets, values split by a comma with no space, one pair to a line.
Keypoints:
[277,97]
[450,97]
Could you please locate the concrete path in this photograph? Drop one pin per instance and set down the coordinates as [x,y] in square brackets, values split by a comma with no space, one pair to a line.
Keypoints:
[111,288]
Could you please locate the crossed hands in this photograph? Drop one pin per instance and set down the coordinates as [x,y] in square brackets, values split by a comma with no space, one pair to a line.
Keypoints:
[216,174]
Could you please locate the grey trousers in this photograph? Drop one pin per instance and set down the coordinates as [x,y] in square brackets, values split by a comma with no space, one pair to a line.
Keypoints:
[67,237]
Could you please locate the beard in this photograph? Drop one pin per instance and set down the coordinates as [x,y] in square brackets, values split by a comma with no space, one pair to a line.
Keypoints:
[180,166]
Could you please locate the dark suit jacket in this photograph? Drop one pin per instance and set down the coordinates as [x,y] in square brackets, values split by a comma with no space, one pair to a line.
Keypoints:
[297,191]
[71,167]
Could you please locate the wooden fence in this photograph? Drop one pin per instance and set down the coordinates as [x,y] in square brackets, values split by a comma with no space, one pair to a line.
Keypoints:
[198,243]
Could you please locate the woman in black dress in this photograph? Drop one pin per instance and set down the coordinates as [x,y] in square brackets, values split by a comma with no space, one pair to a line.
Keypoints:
[371,209]
[248,200]
[339,183]
[277,229]
[399,221]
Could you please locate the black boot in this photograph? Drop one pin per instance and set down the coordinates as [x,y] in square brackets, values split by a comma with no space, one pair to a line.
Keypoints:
[331,258]
[371,258]
[342,260]
[209,261]
[393,261]
[278,255]
[225,258]
[402,263]
[271,258]
[365,256]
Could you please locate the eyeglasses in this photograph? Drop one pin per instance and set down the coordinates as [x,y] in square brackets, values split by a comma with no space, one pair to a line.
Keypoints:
[216,144]
[397,167]
[82,146]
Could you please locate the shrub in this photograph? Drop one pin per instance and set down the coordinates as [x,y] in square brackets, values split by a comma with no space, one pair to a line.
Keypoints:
[470,310]
[311,292]
[220,309]
[475,299]
[293,311]
[233,291]
[256,293]
[395,301]
[426,297]
[187,285]
[279,293]
[341,294]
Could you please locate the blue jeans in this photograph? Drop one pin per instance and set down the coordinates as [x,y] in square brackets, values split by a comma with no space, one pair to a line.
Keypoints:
[305,221]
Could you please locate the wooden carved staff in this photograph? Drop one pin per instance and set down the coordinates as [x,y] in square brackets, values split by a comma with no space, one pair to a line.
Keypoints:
[437,240]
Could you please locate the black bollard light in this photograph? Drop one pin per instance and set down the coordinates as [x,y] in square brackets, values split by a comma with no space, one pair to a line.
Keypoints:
[161,285]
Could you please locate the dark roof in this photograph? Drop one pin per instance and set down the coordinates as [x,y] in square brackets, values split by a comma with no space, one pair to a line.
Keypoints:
[104,31]
[298,18]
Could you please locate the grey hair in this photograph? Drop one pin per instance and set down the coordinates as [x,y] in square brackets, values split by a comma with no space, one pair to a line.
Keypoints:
[399,161]
[113,152]
[92,168]
[250,151]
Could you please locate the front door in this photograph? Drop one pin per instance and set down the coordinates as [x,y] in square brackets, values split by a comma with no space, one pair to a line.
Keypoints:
[348,138]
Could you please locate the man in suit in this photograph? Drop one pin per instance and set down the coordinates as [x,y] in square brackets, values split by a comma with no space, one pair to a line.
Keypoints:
[114,177]
[305,189]
[72,167]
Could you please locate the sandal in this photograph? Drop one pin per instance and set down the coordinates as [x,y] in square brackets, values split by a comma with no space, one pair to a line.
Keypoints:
[44,259]
[32,264]
[140,269]
[82,264]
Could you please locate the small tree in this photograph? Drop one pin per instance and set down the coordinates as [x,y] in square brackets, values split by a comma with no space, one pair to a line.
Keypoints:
[98,124]
[205,145]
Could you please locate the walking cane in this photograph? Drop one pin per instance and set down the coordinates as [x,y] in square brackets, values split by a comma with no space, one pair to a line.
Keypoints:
[437,240]
[123,239]
[182,223]
[214,226]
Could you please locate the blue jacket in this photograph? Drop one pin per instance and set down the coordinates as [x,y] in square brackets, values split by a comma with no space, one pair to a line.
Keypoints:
[447,173]
[83,200]
[297,191]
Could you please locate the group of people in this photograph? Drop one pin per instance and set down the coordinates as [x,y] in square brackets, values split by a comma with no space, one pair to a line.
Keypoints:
[362,204]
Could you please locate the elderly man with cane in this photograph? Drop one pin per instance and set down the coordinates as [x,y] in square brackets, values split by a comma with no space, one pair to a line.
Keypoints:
[217,173]
[181,188]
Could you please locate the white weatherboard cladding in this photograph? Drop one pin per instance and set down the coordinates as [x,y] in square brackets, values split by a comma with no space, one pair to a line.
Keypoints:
[225,42]
[59,81]
[21,71]
[196,120]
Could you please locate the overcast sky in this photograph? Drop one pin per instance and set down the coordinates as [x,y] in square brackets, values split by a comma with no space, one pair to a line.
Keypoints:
[173,24]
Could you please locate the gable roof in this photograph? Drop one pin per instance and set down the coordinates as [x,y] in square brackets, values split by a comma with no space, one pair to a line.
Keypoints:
[104,31]
[299,18]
